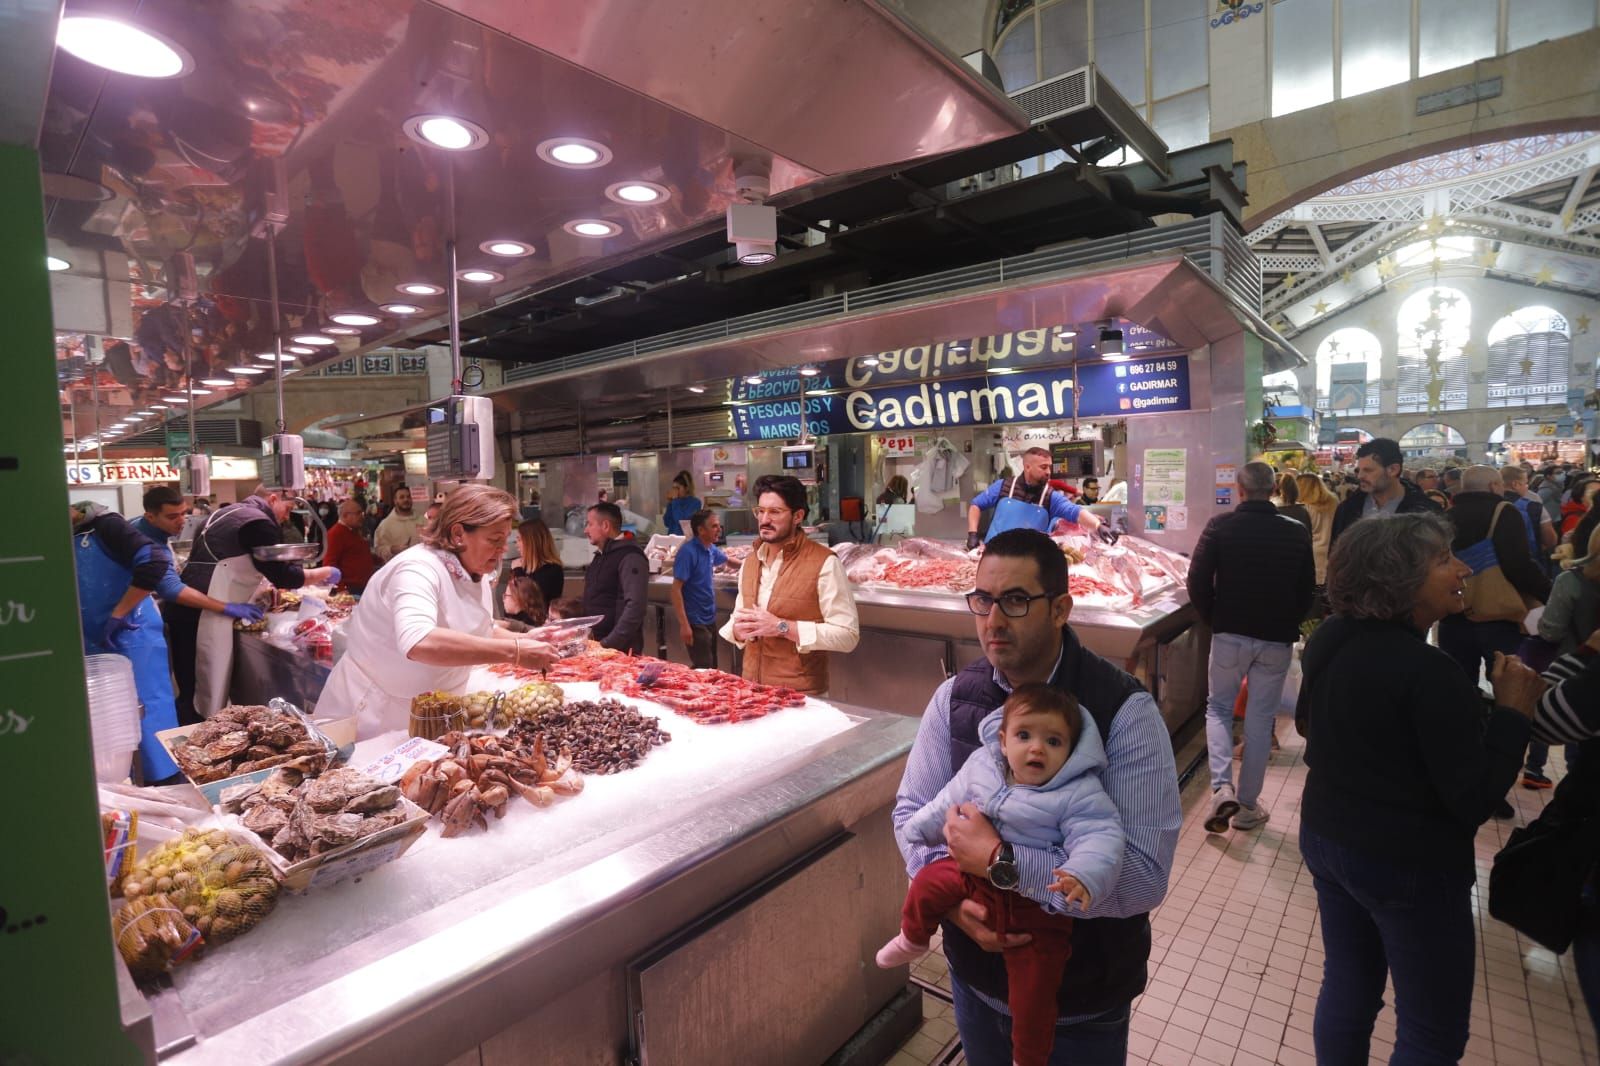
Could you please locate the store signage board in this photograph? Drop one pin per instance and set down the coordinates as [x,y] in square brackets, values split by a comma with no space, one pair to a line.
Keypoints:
[58,979]
[1140,386]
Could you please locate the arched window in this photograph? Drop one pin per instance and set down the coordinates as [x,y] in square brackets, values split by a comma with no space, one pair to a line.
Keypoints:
[1530,351]
[1348,363]
[1282,389]
[1431,374]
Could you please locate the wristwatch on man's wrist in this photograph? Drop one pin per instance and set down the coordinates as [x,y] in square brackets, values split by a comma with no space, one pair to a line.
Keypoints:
[783,629]
[1003,872]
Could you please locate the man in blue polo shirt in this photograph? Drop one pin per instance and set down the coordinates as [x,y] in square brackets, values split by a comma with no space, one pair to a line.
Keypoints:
[692,595]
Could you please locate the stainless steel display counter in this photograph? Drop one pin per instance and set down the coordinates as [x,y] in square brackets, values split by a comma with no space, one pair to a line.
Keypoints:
[749,912]
[911,641]
[263,670]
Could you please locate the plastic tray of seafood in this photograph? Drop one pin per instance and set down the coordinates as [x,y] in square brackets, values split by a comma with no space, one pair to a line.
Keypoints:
[243,744]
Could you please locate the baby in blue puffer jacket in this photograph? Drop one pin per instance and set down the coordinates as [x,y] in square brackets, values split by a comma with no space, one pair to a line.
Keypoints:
[1037,778]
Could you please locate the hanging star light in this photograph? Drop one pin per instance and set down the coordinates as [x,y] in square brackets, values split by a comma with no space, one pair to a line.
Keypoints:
[1290,280]
[1583,323]
[1346,275]
[1435,392]
[1433,225]
[1386,268]
[1526,366]
[1544,275]
[1320,307]
[1487,258]
[1333,346]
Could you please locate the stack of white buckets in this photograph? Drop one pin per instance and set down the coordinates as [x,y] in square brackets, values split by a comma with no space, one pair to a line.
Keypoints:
[113,715]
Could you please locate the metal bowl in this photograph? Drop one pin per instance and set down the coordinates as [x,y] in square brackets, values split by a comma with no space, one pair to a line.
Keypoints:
[286,553]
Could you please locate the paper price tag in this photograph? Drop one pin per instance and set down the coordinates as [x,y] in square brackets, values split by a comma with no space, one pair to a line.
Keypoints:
[389,768]
[362,862]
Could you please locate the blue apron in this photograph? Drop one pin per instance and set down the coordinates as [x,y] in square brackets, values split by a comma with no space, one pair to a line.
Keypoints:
[102,581]
[1012,513]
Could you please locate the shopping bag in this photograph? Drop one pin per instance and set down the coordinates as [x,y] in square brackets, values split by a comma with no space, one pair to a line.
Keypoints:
[1291,688]
[1490,596]
[1537,880]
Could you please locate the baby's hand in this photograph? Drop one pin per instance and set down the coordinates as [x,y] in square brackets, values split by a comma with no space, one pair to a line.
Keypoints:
[1074,890]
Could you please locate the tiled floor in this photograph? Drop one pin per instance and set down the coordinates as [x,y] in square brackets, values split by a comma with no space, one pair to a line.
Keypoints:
[1237,961]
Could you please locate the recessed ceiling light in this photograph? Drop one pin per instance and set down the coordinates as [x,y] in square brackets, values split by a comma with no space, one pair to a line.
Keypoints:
[757,257]
[144,414]
[247,370]
[119,47]
[480,276]
[316,340]
[509,249]
[355,318]
[592,227]
[637,192]
[175,399]
[697,388]
[574,152]
[56,263]
[401,309]
[753,379]
[200,392]
[809,371]
[420,288]
[272,357]
[958,346]
[342,331]
[218,383]
[870,360]
[447,132]
[1066,334]
[160,406]
[300,349]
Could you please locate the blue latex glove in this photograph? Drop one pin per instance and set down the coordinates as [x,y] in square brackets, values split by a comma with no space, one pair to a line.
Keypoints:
[334,577]
[117,627]
[243,612]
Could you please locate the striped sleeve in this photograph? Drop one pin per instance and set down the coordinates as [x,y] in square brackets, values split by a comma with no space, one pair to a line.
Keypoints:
[1569,710]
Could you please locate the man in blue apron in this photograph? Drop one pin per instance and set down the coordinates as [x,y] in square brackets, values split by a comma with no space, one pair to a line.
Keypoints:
[118,568]
[1026,502]
[164,517]
[220,565]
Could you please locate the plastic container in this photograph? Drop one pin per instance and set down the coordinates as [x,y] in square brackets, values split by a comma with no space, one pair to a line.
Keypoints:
[113,715]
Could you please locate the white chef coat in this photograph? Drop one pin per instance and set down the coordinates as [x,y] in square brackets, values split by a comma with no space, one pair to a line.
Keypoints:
[422,589]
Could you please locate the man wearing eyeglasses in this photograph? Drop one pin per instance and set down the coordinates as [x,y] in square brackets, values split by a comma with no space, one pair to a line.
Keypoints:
[1021,604]
[794,605]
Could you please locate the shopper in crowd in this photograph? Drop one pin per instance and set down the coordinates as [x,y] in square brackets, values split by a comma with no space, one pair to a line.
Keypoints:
[428,618]
[1404,768]
[540,559]
[1540,529]
[1570,615]
[565,607]
[348,549]
[794,607]
[897,491]
[430,516]
[522,601]
[1489,532]
[1089,491]
[400,529]
[1032,487]
[1580,537]
[164,516]
[614,586]
[370,521]
[222,566]
[118,568]
[1320,505]
[1037,776]
[694,603]
[1287,501]
[1450,481]
[1426,479]
[1251,580]
[681,503]
[1022,605]
[1381,488]
[1578,502]
[1550,493]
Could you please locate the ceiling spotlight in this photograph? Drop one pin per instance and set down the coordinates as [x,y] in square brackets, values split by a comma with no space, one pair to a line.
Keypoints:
[174,399]
[480,276]
[200,392]
[355,318]
[958,346]
[316,340]
[754,254]
[574,152]
[247,370]
[1110,345]
[447,132]
[272,357]
[144,414]
[300,349]
[637,192]
[420,288]
[592,227]
[809,371]
[1066,334]
[401,309]
[697,389]
[56,263]
[869,360]
[341,331]
[121,48]
[509,249]
[160,406]
[218,383]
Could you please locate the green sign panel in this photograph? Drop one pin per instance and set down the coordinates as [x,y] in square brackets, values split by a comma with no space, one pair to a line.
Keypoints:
[177,447]
[58,991]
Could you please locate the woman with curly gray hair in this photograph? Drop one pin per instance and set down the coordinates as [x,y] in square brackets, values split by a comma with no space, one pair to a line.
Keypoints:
[1405,763]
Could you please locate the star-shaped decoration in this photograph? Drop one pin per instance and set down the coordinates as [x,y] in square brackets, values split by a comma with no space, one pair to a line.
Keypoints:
[1320,307]
[1386,268]
[1433,225]
[1346,275]
[1333,345]
[1432,323]
[1544,275]
[1526,366]
[1583,323]
[1486,258]
[1290,280]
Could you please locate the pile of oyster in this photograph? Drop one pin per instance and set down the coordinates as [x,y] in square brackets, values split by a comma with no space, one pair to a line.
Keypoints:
[239,740]
[304,816]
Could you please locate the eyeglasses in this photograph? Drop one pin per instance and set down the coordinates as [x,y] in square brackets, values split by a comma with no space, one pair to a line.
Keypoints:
[1012,604]
[772,512]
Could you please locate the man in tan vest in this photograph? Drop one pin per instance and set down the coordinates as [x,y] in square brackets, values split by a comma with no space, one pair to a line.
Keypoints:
[794,604]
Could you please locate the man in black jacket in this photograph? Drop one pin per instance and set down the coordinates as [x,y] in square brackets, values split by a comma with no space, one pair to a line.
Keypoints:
[1251,579]
[614,586]
[1474,510]
[1383,489]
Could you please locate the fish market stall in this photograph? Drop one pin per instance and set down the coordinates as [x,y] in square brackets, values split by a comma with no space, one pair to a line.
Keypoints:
[554,908]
